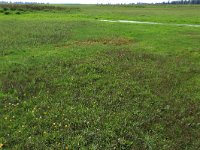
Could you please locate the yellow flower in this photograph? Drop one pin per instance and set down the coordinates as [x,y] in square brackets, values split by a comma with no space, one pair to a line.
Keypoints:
[1,145]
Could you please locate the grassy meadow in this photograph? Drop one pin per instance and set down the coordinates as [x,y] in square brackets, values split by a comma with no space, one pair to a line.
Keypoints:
[70,81]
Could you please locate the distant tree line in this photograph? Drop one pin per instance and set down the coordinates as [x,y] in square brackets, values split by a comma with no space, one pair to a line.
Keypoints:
[183,2]
[139,3]
[6,2]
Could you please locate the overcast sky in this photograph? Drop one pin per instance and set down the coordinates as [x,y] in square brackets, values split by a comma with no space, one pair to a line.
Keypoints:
[89,1]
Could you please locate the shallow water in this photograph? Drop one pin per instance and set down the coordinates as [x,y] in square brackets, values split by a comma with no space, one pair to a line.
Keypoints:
[156,23]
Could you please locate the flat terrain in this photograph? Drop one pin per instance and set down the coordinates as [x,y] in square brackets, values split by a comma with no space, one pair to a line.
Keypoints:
[70,81]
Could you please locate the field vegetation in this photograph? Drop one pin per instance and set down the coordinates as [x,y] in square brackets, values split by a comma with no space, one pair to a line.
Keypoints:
[20,8]
[70,81]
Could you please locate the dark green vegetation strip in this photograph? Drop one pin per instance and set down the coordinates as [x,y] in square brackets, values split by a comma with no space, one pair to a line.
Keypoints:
[91,85]
[22,8]
[33,7]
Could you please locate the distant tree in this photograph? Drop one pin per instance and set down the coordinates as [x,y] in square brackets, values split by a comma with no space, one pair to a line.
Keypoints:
[185,2]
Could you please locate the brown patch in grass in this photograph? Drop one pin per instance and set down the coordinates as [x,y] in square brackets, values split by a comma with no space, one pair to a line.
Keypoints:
[193,35]
[103,41]
[115,41]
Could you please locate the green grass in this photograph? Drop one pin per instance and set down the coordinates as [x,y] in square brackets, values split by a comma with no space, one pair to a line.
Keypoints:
[68,80]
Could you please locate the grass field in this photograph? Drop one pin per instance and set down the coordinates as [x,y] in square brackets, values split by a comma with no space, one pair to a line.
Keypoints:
[69,81]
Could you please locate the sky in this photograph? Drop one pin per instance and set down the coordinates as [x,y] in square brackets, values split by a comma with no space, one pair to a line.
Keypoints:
[89,1]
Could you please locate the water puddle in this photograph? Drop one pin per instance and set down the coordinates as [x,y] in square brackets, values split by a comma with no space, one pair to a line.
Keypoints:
[151,23]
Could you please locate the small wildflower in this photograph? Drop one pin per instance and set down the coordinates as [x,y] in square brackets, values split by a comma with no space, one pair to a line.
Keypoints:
[1,145]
